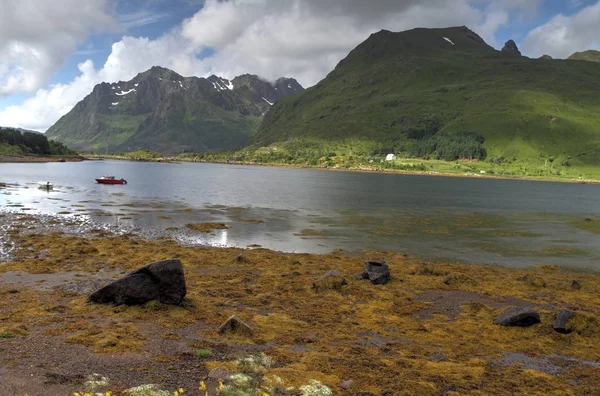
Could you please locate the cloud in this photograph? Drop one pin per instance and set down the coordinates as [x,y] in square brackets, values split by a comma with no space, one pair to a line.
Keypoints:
[563,35]
[303,39]
[36,37]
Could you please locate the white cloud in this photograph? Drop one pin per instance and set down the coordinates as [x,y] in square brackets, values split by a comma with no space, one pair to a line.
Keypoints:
[303,39]
[36,36]
[563,35]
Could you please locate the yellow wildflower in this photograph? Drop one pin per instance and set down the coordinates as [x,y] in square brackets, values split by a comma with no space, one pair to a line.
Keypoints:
[180,390]
[76,394]
[175,393]
[220,387]
[202,386]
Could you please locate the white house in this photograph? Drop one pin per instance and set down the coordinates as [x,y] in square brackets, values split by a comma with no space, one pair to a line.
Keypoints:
[390,157]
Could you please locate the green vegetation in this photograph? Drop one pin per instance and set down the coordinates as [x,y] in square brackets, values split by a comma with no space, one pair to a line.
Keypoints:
[6,335]
[203,353]
[15,143]
[417,96]
[590,56]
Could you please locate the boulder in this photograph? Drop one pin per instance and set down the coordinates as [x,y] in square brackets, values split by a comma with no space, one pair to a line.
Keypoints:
[332,280]
[235,325]
[561,321]
[377,271]
[575,285]
[511,48]
[518,316]
[163,281]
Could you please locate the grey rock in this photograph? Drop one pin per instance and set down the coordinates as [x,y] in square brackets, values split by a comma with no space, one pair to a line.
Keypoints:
[377,271]
[346,384]
[562,320]
[219,374]
[235,325]
[511,48]
[518,316]
[360,276]
[163,281]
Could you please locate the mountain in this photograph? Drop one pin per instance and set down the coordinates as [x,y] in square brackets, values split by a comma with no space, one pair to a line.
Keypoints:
[589,55]
[409,92]
[162,111]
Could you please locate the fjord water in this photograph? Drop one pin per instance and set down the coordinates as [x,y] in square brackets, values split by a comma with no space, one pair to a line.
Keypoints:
[474,220]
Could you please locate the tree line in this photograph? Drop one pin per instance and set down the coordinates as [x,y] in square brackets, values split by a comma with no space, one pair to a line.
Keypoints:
[33,143]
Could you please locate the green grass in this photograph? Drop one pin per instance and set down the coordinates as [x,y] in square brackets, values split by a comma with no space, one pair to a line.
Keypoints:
[204,353]
[591,225]
[6,335]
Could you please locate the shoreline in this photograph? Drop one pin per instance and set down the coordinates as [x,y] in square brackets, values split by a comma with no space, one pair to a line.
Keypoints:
[352,337]
[38,159]
[365,170]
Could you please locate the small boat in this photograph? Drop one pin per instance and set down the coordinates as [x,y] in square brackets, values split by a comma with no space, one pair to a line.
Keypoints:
[110,180]
[45,184]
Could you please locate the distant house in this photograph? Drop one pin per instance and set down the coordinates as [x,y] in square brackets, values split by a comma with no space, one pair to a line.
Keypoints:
[390,157]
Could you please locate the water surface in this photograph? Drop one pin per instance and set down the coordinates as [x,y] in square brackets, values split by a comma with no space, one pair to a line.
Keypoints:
[508,222]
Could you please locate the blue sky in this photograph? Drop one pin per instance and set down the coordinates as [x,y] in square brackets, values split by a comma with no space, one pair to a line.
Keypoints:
[71,45]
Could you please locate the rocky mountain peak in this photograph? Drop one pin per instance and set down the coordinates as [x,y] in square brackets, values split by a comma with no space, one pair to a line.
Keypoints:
[511,48]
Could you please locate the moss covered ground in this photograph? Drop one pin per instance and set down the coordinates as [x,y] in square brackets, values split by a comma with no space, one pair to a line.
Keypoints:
[429,331]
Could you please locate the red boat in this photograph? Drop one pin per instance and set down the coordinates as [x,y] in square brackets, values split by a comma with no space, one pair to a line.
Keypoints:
[110,180]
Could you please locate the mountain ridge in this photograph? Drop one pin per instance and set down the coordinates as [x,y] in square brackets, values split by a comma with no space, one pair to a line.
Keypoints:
[163,111]
[399,92]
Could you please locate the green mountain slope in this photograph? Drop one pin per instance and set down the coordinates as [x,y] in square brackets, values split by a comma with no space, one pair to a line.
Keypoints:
[399,92]
[589,55]
[162,111]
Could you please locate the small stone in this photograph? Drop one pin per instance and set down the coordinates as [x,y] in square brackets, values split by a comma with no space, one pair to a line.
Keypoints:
[588,219]
[235,325]
[360,276]
[377,271]
[332,280]
[109,344]
[575,285]
[561,321]
[346,384]
[219,374]
[518,316]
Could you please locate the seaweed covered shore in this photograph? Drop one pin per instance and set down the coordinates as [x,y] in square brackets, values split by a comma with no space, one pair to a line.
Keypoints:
[430,330]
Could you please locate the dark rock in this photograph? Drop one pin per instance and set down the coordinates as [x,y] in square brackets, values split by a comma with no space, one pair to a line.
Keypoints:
[332,280]
[518,316]
[377,271]
[561,321]
[235,325]
[588,219]
[163,281]
[575,285]
[511,48]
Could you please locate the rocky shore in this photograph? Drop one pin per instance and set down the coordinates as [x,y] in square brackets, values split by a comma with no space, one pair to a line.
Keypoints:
[372,323]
